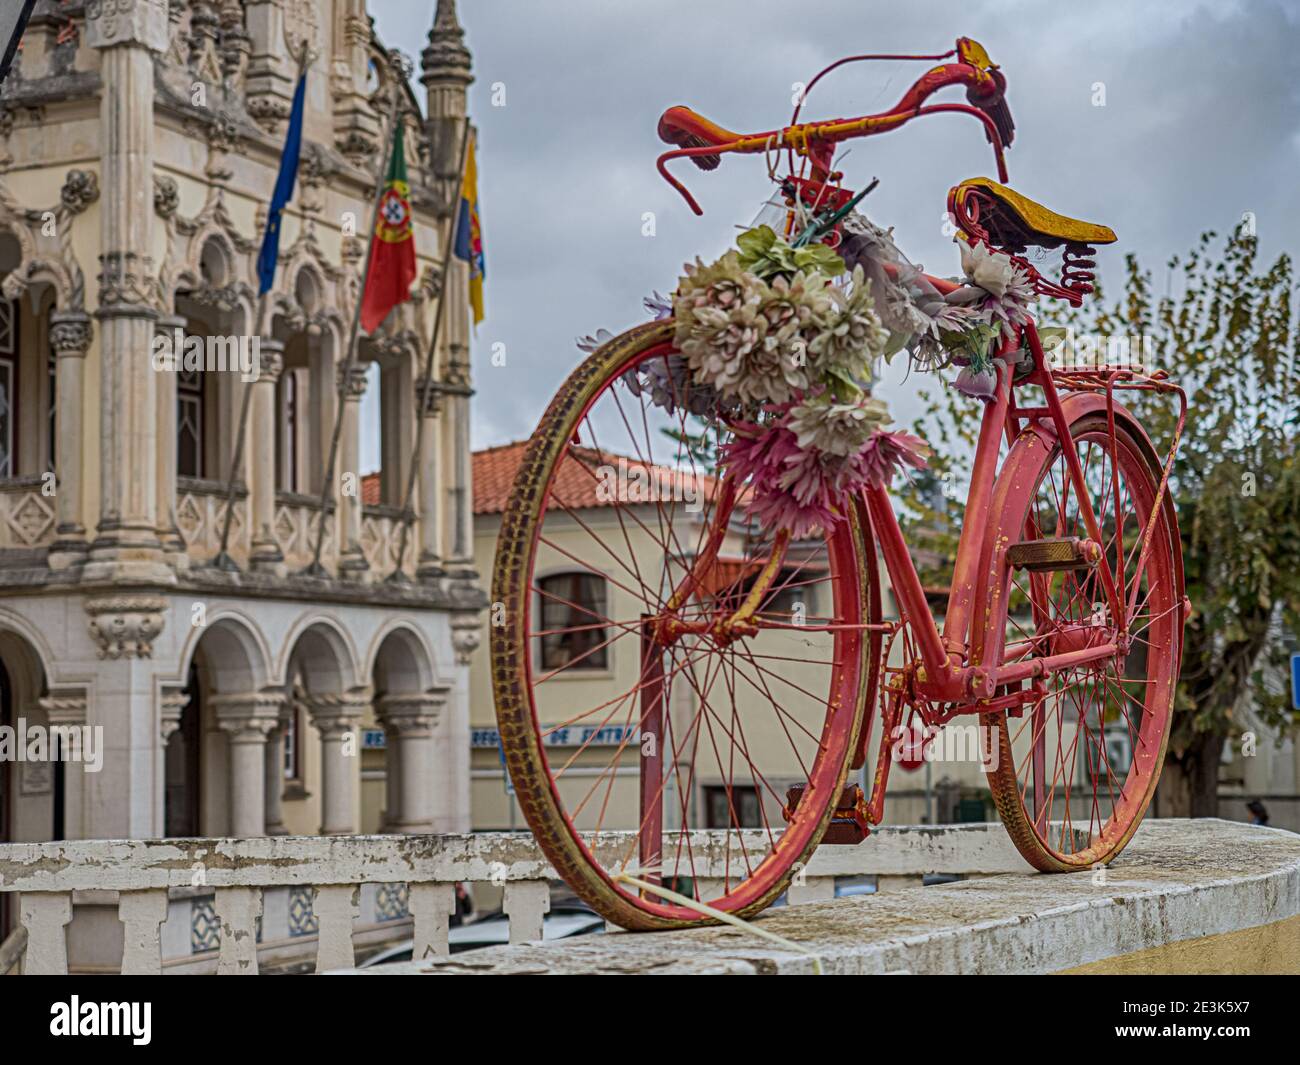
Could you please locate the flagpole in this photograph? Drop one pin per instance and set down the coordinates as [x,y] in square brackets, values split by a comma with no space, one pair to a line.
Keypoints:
[223,561]
[315,569]
[426,386]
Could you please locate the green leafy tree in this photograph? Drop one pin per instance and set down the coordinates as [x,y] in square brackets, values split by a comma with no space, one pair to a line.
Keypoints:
[1227,331]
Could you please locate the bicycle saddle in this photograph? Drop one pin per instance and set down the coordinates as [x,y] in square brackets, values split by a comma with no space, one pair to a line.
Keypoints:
[1015,222]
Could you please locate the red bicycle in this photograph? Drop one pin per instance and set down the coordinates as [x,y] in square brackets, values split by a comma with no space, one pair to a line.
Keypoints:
[667,662]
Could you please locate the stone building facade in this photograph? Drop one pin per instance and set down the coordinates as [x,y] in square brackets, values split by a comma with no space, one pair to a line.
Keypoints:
[139,144]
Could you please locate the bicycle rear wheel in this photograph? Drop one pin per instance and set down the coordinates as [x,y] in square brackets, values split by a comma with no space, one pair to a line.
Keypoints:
[1077,766]
[620,732]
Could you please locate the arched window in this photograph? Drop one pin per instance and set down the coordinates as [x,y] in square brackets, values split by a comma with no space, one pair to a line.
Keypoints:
[189,424]
[289,430]
[573,615]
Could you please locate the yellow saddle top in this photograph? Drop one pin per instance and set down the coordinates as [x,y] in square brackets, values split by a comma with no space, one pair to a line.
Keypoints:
[1016,221]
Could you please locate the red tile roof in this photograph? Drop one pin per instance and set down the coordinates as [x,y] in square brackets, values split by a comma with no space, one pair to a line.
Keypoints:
[576,483]
[370,488]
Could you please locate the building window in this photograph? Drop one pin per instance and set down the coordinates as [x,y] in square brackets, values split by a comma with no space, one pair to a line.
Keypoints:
[734,807]
[793,592]
[289,414]
[573,613]
[189,423]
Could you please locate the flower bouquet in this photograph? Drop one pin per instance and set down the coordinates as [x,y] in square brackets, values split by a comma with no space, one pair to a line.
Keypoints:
[778,342]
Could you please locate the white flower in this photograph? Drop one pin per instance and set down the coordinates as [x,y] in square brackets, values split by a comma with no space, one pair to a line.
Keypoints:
[832,428]
[990,270]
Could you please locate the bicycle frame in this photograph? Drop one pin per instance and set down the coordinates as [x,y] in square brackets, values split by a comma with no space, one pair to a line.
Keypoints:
[950,676]
[967,668]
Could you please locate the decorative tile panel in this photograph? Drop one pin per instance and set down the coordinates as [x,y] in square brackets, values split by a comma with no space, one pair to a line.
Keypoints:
[391,902]
[302,917]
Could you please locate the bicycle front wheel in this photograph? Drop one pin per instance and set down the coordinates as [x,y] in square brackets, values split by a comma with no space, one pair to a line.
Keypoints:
[620,730]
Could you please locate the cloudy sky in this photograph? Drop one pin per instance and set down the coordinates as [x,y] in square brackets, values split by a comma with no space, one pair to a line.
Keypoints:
[1159,119]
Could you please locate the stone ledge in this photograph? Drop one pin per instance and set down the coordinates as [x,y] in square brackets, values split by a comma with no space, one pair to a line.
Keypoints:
[1178,881]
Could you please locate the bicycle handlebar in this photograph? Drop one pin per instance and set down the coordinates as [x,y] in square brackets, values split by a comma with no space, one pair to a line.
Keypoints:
[705,143]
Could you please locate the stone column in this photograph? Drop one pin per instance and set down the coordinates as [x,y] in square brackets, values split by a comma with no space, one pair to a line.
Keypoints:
[67,709]
[410,719]
[356,125]
[171,332]
[127,545]
[269,81]
[429,562]
[171,705]
[337,717]
[392,781]
[70,335]
[266,555]
[446,73]
[121,800]
[451,753]
[275,825]
[352,561]
[458,546]
[247,720]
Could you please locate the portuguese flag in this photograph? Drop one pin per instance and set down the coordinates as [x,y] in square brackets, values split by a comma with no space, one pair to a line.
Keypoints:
[392,250]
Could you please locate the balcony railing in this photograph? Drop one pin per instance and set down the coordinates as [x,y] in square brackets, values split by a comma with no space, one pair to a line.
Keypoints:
[297,524]
[201,514]
[238,878]
[381,537]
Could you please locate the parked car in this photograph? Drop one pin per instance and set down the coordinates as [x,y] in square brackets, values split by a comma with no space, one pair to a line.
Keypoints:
[492,930]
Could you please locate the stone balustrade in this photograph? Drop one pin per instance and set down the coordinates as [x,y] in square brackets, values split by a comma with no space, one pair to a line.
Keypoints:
[244,880]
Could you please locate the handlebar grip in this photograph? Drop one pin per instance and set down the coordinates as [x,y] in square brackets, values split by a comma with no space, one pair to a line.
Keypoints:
[995,106]
[683,127]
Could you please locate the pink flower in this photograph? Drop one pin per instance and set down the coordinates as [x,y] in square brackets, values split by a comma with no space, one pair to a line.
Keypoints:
[886,453]
[982,384]
[803,489]
[783,490]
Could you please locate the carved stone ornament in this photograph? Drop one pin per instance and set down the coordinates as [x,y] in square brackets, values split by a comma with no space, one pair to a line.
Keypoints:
[80,190]
[116,22]
[166,195]
[125,278]
[354,386]
[126,626]
[70,333]
[466,635]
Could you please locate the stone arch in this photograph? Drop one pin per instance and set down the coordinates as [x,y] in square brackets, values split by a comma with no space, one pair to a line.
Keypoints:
[226,669]
[400,660]
[16,625]
[326,655]
[44,255]
[322,675]
[236,653]
[28,789]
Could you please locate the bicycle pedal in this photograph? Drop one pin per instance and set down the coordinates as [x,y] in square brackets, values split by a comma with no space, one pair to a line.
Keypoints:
[849,825]
[1050,555]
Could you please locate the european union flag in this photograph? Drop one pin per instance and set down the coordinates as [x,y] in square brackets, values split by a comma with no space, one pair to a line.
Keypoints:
[270,253]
